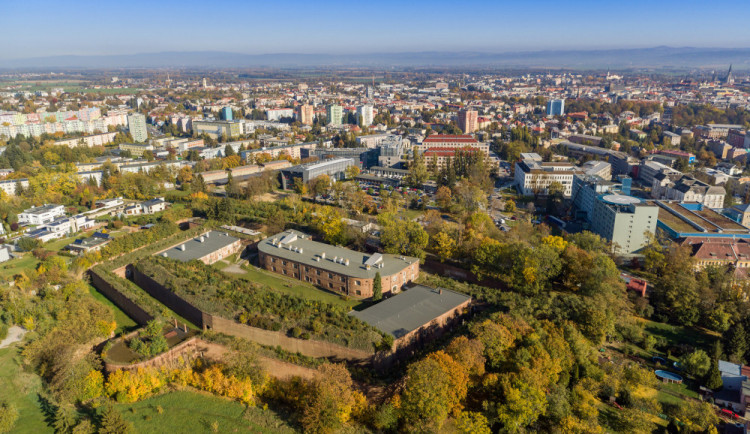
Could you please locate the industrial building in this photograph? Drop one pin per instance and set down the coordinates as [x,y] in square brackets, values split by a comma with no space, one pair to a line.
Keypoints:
[336,269]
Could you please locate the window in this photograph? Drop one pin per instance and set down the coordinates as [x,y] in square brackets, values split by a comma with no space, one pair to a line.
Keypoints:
[318,273]
[330,275]
[358,283]
[273,268]
[330,285]
[359,292]
[283,271]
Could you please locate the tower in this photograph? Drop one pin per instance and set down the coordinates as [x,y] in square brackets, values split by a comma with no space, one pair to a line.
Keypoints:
[729,81]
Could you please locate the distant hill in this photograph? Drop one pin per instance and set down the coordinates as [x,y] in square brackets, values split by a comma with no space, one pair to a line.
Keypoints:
[658,57]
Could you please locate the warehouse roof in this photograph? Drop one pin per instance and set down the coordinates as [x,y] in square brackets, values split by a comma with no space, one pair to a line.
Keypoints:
[298,247]
[199,247]
[411,309]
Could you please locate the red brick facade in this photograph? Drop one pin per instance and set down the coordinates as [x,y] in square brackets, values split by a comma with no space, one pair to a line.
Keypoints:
[349,285]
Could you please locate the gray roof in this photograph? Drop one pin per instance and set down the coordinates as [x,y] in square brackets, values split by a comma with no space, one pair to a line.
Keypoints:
[306,251]
[195,249]
[411,309]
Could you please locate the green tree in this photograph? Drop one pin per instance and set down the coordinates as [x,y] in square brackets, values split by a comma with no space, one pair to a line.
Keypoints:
[417,170]
[112,422]
[696,363]
[64,420]
[377,287]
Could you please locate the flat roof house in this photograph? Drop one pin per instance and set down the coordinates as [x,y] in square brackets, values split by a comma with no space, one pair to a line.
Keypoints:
[208,248]
[40,215]
[418,311]
[336,269]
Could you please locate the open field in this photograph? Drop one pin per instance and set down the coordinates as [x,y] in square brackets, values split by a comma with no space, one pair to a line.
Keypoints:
[295,287]
[15,266]
[186,411]
[22,390]
[680,335]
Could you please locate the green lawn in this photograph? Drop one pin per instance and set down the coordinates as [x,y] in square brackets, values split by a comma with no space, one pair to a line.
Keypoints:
[124,322]
[22,390]
[188,412]
[680,335]
[295,287]
[16,266]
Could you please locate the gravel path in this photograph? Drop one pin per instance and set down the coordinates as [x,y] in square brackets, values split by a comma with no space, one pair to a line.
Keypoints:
[15,334]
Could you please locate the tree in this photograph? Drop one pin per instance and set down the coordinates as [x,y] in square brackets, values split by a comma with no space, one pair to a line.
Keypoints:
[713,379]
[435,387]
[352,172]
[64,420]
[417,170]
[403,237]
[377,287]
[229,151]
[443,197]
[445,245]
[510,206]
[112,422]
[696,363]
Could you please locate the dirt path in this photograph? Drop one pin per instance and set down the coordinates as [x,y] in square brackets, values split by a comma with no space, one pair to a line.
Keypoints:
[15,334]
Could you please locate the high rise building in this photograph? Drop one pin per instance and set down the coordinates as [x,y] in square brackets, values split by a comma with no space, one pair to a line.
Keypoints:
[370,94]
[364,115]
[467,121]
[556,107]
[226,113]
[334,114]
[137,127]
[305,114]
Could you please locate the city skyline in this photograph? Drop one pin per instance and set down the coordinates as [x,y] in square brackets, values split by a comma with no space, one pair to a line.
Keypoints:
[342,28]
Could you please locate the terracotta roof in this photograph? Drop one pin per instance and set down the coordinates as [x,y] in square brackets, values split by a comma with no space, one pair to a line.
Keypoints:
[441,138]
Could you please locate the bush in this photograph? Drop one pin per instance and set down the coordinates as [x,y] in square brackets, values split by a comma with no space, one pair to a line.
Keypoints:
[295,332]
[8,416]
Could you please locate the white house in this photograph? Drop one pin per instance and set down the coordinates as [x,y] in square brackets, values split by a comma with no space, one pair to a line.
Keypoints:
[41,214]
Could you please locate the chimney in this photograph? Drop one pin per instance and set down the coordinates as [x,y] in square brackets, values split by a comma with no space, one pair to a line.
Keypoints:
[323,255]
[207,234]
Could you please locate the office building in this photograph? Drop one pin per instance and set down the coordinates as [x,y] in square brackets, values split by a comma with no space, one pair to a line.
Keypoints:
[688,189]
[532,176]
[305,114]
[626,221]
[216,129]
[276,115]
[136,149]
[556,107]
[334,114]
[137,127]
[364,115]
[226,113]
[335,269]
[334,168]
[453,142]
[467,120]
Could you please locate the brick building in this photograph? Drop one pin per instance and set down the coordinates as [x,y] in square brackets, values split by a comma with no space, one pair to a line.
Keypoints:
[336,269]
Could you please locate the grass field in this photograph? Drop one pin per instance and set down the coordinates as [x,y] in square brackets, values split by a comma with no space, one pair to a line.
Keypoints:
[680,335]
[22,390]
[295,287]
[184,411]
[124,322]
[16,266]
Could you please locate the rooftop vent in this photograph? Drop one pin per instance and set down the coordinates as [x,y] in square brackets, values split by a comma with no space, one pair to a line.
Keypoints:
[346,262]
[207,234]
[323,255]
[201,239]
[165,254]
[300,249]
[182,247]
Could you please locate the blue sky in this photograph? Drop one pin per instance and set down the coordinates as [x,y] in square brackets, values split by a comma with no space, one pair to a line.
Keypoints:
[31,28]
